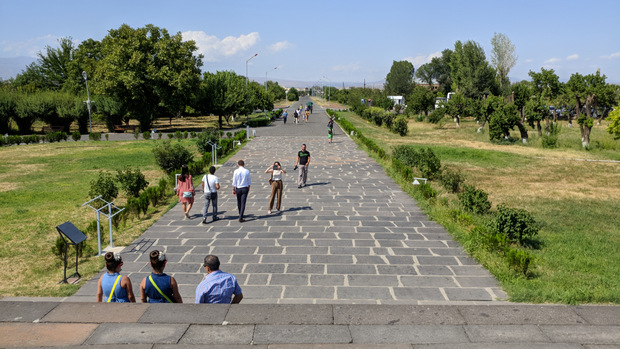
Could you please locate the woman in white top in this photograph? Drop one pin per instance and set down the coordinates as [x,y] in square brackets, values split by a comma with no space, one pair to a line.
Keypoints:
[276,184]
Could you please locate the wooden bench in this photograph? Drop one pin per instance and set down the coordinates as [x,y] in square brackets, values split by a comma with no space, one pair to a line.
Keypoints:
[47,129]
[123,128]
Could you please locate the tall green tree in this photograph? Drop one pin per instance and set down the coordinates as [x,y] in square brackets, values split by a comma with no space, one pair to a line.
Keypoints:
[399,81]
[471,73]
[421,100]
[457,108]
[591,94]
[223,94]
[51,70]
[546,88]
[150,71]
[442,71]
[503,57]
[427,74]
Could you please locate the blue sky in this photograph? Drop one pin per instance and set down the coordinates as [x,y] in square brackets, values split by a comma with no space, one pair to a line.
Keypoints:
[339,41]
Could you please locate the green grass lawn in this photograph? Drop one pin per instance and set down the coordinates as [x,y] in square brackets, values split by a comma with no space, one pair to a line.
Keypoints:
[44,185]
[577,202]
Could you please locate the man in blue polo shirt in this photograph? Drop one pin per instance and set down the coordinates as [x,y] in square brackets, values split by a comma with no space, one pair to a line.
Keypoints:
[217,287]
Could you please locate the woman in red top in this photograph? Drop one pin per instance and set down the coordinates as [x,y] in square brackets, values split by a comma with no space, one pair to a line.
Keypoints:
[185,190]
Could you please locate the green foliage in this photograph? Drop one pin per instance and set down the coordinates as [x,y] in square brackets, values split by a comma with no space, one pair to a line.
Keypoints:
[136,133]
[400,126]
[192,134]
[132,181]
[170,157]
[56,136]
[474,200]
[424,160]
[178,134]
[146,135]
[503,119]
[436,115]
[519,260]
[159,134]
[259,122]
[451,180]
[399,81]
[550,140]
[293,94]
[614,122]
[103,185]
[421,100]
[207,135]
[470,72]
[425,190]
[185,134]
[95,136]
[76,136]
[516,224]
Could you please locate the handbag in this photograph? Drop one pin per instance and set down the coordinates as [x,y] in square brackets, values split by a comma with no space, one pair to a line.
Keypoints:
[188,194]
[271,179]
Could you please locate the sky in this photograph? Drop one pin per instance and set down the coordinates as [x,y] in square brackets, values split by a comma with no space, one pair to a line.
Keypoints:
[336,41]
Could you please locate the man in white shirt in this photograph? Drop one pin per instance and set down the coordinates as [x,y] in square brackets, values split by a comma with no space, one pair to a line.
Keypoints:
[210,186]
[241,187]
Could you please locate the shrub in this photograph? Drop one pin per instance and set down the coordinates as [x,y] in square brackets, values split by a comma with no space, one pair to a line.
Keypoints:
[95,136]
[229,134]
[206,136]
[170,135]
[159,134]
[146,135]
[516,224]
[474,200]
[30,139]
[103,185]
[451,179]
[132,182]
[107,137]
[192,134]
[520,260]
[436,115]
[259,122]
[136,133]
[185,134]
[76,136]
[178,134]
[426,191]
[400,126]
[419,117]
[56,136]
[170,157]
[403,169]
[240,135]
[13,140]
[550,140]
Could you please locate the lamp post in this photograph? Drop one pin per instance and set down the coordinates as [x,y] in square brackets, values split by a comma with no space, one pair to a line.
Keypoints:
[266,79]
[247,117]
[85,76]
[328,91]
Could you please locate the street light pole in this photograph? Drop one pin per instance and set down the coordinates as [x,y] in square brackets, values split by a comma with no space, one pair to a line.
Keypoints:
[90,122]
[247,117]
[266,79]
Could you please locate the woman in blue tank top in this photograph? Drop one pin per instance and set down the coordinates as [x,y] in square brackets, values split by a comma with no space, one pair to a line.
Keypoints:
[159,287]
[112,286]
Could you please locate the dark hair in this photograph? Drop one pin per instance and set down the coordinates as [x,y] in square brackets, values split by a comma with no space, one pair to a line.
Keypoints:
[184,173]
[212,169]
[212,262]
[240,163]
[277,163]
[112,260]
[158,259]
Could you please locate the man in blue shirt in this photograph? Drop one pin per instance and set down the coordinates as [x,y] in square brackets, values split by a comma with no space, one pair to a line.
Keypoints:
[217,287]
[241,187]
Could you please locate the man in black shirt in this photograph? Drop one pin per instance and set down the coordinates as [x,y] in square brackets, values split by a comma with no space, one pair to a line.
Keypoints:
[303,160]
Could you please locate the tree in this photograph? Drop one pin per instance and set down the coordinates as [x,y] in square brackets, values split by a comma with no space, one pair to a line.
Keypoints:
[591,94]
[51,70]
[223,94]
[503,57]
[293,94]
[546,87]
[427,74]
[278,92]
[614,122]
[258,98]
[471,73]
[442,71]
[457,108]
[421,100]
[503,119]
[148,70]
[399,80]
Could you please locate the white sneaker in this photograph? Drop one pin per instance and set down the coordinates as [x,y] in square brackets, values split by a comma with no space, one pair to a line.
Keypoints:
[269,212]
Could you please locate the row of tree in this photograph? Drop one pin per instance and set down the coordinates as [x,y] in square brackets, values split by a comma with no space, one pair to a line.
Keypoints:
[138,73]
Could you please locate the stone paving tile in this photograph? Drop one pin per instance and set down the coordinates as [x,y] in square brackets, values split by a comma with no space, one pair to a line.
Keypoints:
[110,333]
[397,315]
[206,335]
[39,335]
[25,311]
[522,314]
[185,313]
[293,314]
[77,312]
[582,334]
[599,314]
[505,333]
[266,334]
[414,334]
[350,223]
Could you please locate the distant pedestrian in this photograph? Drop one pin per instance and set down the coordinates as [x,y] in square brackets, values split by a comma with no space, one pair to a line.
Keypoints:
[296,115]
[217,287]
[241,187]
[330,129]
[303,160]
[284,116]
[114,287]
[276,185]
[159,287]
[210,186]
[185,190]
[307,115]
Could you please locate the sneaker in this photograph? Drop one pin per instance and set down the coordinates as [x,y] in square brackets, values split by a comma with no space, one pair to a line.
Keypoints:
[204,221]
[241,220]
[215,219]
[299,187]
[269,212]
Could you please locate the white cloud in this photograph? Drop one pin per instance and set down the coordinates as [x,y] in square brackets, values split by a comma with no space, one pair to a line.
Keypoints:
[528,61]
[351,67]
[422,59]
[213,48]
[281,45]
[553,60]
[29,47]
[572,57]
[612,56]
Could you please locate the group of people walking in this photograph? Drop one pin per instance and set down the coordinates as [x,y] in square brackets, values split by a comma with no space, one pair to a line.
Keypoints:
[241,183]
[216,287]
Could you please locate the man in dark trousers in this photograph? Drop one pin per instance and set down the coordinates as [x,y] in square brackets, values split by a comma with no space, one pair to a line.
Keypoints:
[303,160]
[241,187]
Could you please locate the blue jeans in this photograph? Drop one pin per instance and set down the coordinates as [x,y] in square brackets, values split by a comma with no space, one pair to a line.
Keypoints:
[210,198]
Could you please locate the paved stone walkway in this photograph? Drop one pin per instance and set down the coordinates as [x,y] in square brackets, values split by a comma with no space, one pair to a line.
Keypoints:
[350,236]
